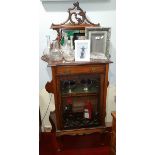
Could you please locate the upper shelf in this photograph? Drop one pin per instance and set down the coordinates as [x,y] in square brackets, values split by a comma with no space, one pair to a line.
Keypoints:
[71,26]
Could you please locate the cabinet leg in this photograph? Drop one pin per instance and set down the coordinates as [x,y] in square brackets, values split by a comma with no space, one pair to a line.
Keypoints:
[59,143]
[102,139]
[105,138]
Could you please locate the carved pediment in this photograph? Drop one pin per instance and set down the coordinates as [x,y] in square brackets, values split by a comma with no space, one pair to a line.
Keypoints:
[76,16]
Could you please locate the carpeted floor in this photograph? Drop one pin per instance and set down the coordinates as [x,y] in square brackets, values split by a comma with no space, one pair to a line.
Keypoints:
[73,145]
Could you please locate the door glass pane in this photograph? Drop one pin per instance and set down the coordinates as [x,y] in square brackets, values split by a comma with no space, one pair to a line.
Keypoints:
[80,98]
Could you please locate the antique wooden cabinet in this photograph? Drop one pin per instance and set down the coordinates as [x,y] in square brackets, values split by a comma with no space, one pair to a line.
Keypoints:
[80,88]
[70,100]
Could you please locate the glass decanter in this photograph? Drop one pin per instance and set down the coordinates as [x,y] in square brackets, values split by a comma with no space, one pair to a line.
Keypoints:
[67,49]
[56,53]
[47,49]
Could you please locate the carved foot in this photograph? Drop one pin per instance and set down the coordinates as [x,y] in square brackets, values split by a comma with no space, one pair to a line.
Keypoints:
[105,138]
[102,139]
[59,144]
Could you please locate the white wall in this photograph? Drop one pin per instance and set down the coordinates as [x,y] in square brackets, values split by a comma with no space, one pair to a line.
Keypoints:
[102,12]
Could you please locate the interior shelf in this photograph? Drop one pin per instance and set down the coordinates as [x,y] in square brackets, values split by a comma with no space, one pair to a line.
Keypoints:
[79,94]
[80,90]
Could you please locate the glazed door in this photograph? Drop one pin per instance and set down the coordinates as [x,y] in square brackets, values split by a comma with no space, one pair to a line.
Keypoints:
[81,101]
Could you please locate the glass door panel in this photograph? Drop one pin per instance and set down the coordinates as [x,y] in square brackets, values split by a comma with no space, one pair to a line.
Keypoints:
[80,97]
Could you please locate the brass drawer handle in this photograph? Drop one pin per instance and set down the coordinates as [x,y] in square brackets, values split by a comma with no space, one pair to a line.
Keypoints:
[93,69]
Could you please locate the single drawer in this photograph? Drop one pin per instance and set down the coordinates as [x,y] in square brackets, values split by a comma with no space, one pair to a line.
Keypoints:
[64,70]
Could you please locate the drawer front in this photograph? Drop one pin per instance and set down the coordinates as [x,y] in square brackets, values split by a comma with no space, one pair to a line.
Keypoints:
[64,70]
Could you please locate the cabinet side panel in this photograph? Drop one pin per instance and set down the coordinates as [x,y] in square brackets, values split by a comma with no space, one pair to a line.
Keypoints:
[57,109]
[105,87]
[102,110]
[59,104]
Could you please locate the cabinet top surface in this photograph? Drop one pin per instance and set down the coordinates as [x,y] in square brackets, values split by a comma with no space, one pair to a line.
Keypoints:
[74,63]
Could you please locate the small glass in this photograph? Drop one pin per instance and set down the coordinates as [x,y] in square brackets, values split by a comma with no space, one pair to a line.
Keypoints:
[86,84]
[69,85]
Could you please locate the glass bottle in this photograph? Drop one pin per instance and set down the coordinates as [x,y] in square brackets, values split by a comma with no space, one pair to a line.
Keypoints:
[88,109]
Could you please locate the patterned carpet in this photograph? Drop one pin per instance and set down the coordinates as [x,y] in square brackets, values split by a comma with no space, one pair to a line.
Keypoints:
[73,145]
